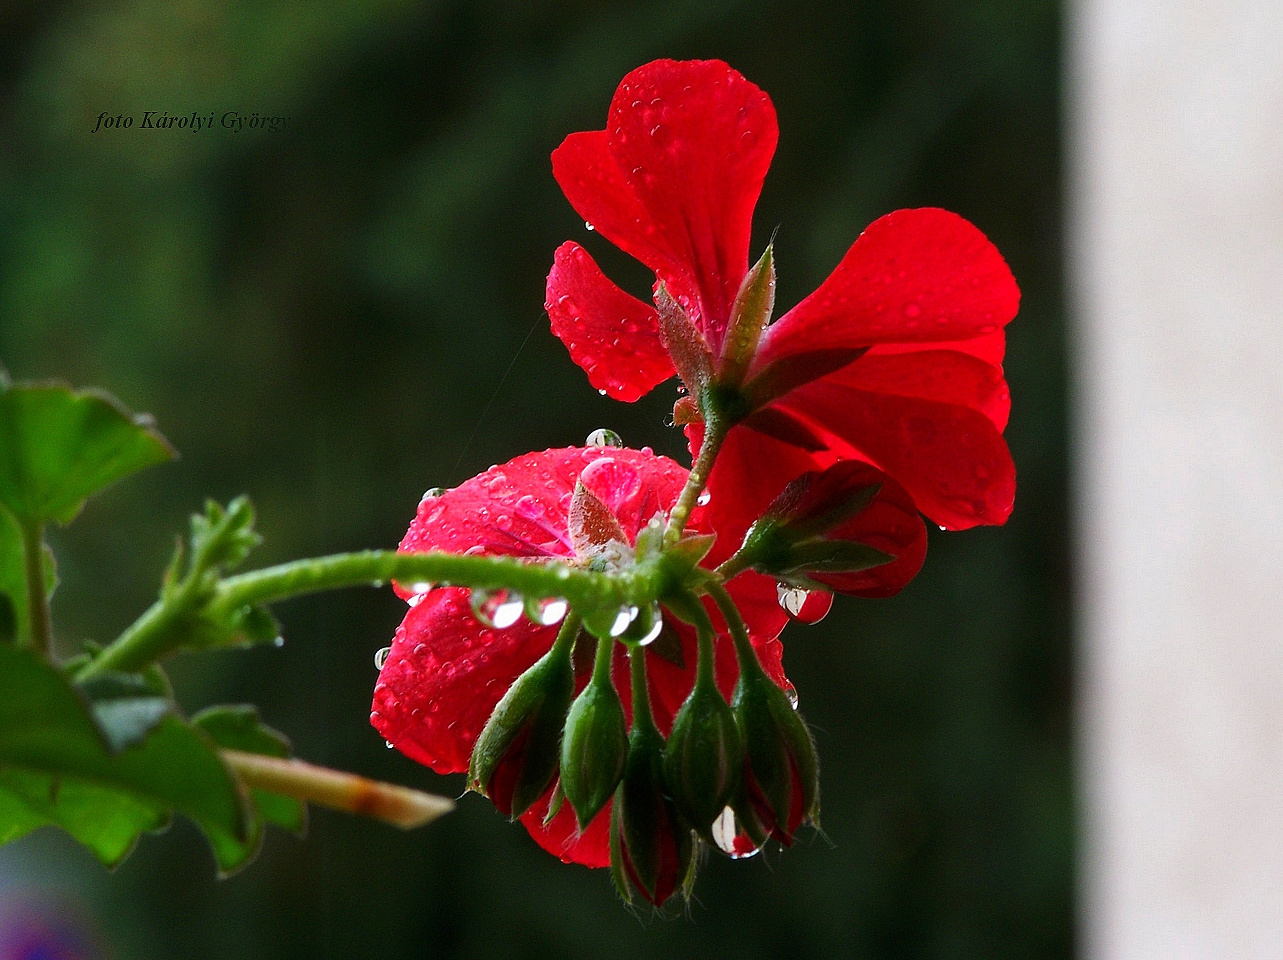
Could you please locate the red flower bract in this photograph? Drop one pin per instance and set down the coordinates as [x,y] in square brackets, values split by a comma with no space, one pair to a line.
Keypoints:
[446,671]
[894,360]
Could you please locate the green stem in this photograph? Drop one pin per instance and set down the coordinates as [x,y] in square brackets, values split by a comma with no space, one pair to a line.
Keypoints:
[748,663]
[33,543]
[167,624]
[734,565]
[566,635]
[643,722]
[604,660]
[714,435]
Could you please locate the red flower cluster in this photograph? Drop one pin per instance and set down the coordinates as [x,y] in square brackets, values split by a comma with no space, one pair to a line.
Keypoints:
[819,440]
[447,670]
[894,360]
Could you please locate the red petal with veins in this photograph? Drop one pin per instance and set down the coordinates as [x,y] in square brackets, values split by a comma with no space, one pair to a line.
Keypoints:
[945,376]
[614,337]
[951,459]
[689,145]
[914,276]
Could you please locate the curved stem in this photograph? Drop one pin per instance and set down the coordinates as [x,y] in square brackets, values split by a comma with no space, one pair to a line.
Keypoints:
[604,660]
[714,435]
[734,565]
[744,652]
[33,543]
[338,790]
[170,622]
[643,722]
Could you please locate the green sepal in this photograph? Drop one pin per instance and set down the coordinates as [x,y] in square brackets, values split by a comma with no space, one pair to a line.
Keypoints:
[238,727]
[59,446]
[750,314]
[704,757]
[594,748]
[516,756]
[687,347]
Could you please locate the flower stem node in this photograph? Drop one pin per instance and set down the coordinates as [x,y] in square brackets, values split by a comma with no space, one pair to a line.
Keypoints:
[704,758]
[651,846]
[594,747]
[517,753]
[781,771]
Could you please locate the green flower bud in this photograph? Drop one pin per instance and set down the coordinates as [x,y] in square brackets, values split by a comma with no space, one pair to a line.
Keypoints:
[781,770]
[593,749]
[516,756]
[651,848]
[704,757]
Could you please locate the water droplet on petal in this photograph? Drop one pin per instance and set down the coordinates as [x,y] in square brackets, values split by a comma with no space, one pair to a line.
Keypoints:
[497,608]
[381,657]
[703,498]
[388,744]
[805,606]
[731,838]
[602,392]
[912,310]
[588,226]
[432,493]
[603,437]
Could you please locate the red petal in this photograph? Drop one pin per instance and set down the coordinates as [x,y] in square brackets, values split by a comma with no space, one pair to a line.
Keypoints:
[951,459]
[914,276]
[945,376]
[561,837]
[689,144]
[614,337]
[695,140]
[445,674]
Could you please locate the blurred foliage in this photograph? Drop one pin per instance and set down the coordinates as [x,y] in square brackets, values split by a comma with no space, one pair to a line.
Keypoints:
[336,316]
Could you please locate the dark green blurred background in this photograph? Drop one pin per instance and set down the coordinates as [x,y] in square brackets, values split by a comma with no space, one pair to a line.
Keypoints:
[335,317]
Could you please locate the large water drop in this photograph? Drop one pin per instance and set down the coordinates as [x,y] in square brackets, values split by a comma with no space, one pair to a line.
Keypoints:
[731,838]
[497,608]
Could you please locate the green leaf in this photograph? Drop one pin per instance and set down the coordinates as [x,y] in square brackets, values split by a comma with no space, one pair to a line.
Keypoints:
[125,708]
[56,766]
[13,578]
[238,728]
[59,446]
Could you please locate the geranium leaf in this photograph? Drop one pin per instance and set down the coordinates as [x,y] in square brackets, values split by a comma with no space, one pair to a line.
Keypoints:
[125,708]
[59,446]
[57,767]
[238,727]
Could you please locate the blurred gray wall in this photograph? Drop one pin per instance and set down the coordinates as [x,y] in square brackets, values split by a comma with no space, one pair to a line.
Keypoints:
[1176,259]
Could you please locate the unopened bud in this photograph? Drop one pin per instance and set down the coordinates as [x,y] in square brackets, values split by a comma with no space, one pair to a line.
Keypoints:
[781,771]
[593,749]
[516,756]
[651,849]
[704,757]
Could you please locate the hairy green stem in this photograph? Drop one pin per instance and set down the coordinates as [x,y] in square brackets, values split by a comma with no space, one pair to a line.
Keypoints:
[167,625]
[734,565]
[604,660]
[643,722]
[33,543]
[714,434]
[748,663]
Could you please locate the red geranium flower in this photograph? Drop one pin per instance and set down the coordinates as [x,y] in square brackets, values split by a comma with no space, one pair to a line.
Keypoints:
[446,670]
[894,360]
